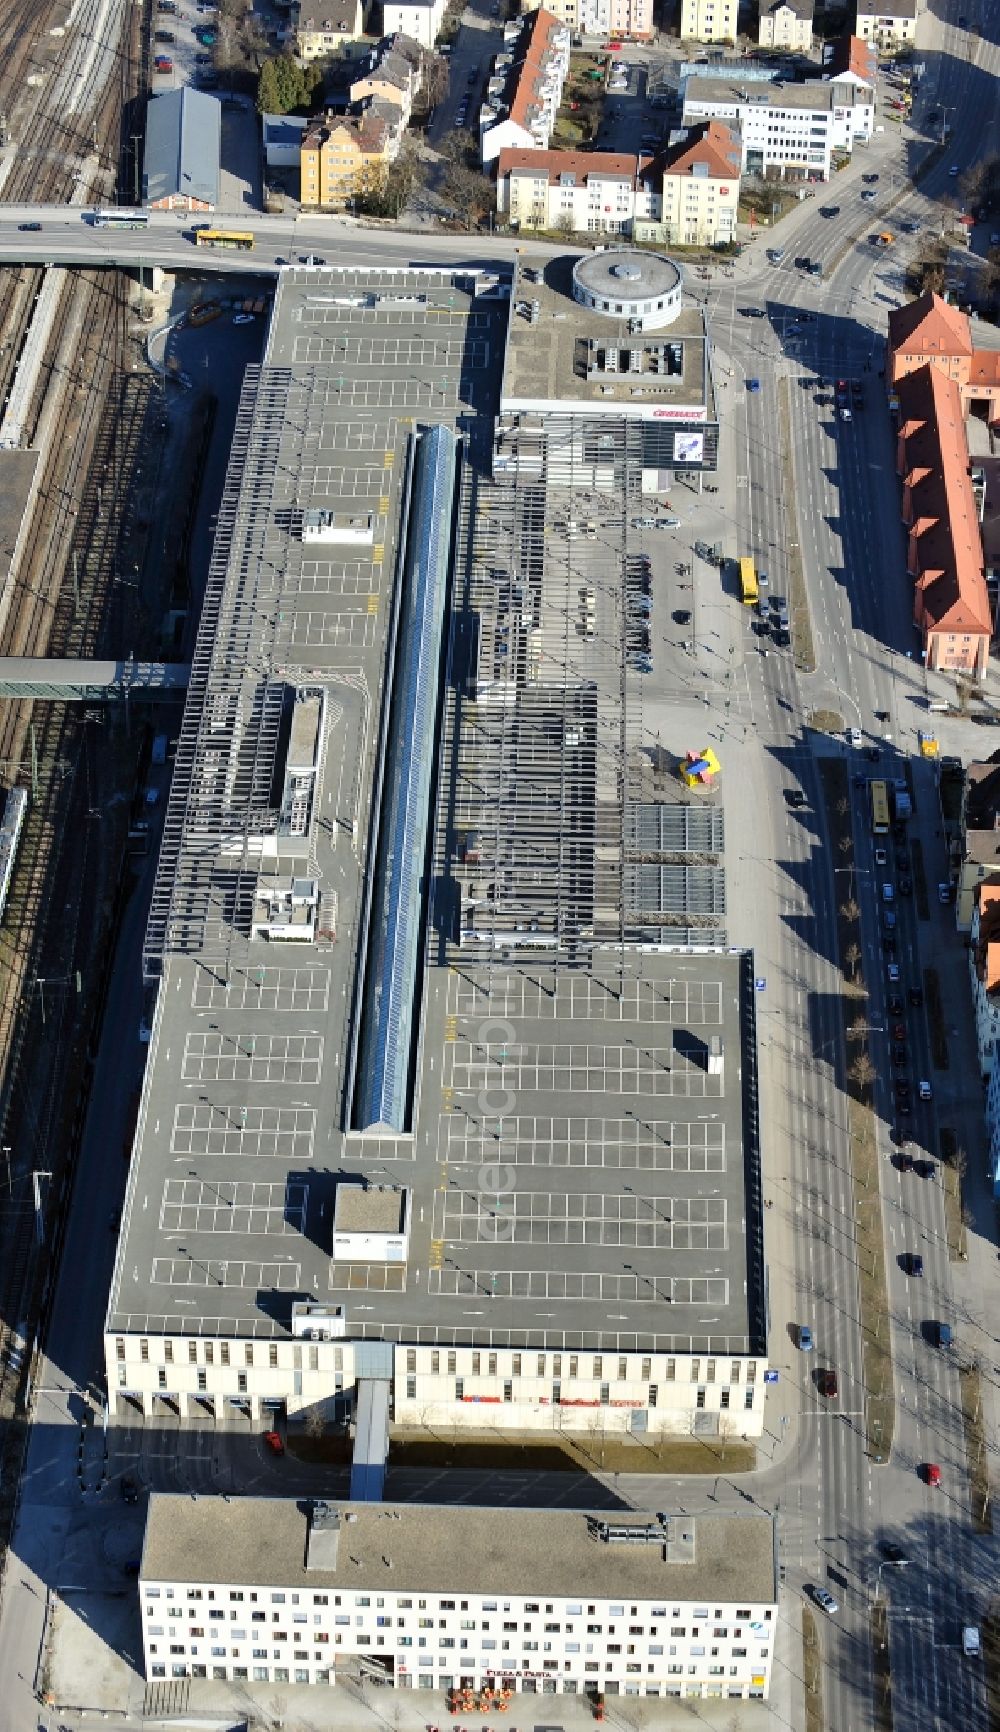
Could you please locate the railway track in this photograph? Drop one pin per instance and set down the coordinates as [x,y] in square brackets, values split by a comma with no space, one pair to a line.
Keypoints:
[62,98]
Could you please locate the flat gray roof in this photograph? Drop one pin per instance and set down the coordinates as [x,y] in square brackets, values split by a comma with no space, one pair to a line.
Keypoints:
[583,1163]
[371,1209]
[814,94]
[549,359]
[455,1550]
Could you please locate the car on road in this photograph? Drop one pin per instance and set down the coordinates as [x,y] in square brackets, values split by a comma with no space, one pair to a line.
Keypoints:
[845,413]
[931,1473]
[924,1169]
[881,857]
[903,1163]
[895,1006]
[893,1553]
[243,319]
[29,228]
[129,1488]
[275,1442]
[868,196]
[954,171]
[854,737]
[915,994]
[899,1057]
[805,1338]
[911,1263]
[869,179]
[795,797]
[905,886]
[311,259]
[807,318]
[899,1031]
[803,262]
[753,386]
[828,1383]
[825,1601]
[667,523]
[829,210]
[941,1334]
[972,1646]
[924,1089]
[893,973]
[681,616]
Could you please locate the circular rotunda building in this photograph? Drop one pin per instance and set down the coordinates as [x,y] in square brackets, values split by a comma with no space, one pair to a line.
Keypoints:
[644,288]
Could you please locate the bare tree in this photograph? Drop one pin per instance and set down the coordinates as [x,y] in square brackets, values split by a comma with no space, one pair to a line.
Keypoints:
[852,956]
[858,1028]
[862,1071]
[849,910]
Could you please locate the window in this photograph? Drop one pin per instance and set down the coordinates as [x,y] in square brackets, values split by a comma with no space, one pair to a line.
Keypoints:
[751,1370]
[272,1355]
[210,1353]
[516,1365]
[700,1397]
[241,1382]
[734,1371]
[223,1352]
[748,1398]
[202,1382]
[144,1351]
[411,1389]
[724,1399]
[411,1359]
[161,1378]
[654,1395]
[435,1363]
[192,1352]
[671,1370]
[451,1364]
[647,1367]
[622,1370]
[248,1354]
[598,1361]
[119,1348]
[475,1365]
[710,1371]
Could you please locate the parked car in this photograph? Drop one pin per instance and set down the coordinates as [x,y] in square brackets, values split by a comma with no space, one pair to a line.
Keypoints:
[274,1442]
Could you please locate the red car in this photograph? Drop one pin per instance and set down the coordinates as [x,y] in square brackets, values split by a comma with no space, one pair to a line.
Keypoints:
[932,1473]
[275,1442]
[614,47]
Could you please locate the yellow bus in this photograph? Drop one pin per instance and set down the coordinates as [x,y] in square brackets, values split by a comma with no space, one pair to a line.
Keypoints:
[880,808]
[236,240]
[748,581]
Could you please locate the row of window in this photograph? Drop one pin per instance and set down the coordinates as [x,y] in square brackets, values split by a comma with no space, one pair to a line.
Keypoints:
[652,1395]
[407,1603]
[444,1644]
[429,1681]
[600,1365]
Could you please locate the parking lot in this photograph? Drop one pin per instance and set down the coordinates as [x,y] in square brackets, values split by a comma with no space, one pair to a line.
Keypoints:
[183,43]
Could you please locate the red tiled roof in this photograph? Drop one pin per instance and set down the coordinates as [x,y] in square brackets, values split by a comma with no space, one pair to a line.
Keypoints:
[540,29]
[950,581]
[582,163]
[985,367]
[712,143]
[929,326]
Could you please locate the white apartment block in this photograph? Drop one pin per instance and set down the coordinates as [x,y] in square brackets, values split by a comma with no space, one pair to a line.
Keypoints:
[539,1602]
[786,24]
[586,192]
[709,20]
[525,86]
[791,130]
[699,191]
[628,19]
[421,19]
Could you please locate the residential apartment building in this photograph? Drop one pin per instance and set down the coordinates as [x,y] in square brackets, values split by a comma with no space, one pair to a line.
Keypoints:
[698,181]
[525,87]
[341,158]
[848,59]
[584,192]
[786,24]
[984,970]
[890,26]
[979,850]
[421,19]
[537,1602]
[319,38]
[709,20]
[628,20]
[391,74]
[944,552]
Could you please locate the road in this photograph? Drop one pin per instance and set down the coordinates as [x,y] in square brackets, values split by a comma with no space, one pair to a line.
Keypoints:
[835,1506]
